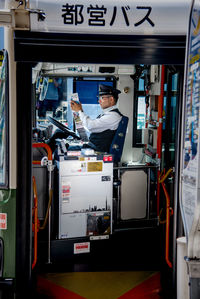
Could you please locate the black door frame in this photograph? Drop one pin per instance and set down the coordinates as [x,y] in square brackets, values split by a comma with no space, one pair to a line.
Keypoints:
[31,47]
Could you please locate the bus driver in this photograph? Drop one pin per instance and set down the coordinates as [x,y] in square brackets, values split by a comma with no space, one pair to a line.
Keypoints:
[103,128]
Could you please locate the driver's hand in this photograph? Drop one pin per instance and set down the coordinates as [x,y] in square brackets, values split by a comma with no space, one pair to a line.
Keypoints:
[76,106]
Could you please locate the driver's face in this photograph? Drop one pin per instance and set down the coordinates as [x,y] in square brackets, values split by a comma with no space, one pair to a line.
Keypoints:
[106,101]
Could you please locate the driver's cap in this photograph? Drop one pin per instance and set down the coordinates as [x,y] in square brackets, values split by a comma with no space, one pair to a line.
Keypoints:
[108,90]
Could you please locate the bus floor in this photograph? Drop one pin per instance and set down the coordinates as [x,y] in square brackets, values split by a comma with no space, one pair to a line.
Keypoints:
[128,268]
[98,285]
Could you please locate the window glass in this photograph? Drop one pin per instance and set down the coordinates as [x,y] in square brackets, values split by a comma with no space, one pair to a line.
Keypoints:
[53,97]
[141,84]
[173,118]
[164,112]
[141,112]
[50,96]
[3,121]
[51,100]
[1,38]
[140,105]
[174,82]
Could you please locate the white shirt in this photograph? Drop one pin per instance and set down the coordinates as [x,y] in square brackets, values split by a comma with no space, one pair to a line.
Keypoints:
[108,121]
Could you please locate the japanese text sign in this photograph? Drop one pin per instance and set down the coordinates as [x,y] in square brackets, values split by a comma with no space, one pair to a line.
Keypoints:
[112,17]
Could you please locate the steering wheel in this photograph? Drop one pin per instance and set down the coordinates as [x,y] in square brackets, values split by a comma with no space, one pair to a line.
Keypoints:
[63,128]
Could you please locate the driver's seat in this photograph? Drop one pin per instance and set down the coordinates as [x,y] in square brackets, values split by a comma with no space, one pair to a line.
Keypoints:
[117,144]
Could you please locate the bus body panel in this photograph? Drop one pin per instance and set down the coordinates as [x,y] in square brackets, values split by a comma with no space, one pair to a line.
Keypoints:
[8,232]
[131,32]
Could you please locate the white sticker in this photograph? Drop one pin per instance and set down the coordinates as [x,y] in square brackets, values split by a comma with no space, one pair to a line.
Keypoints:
[103,237]
[81,247]
[66,189]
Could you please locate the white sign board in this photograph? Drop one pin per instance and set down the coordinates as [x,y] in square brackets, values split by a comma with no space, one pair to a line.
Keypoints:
[130,17]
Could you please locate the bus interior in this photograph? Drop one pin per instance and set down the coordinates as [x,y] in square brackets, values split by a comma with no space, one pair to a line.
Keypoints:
[89,211]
